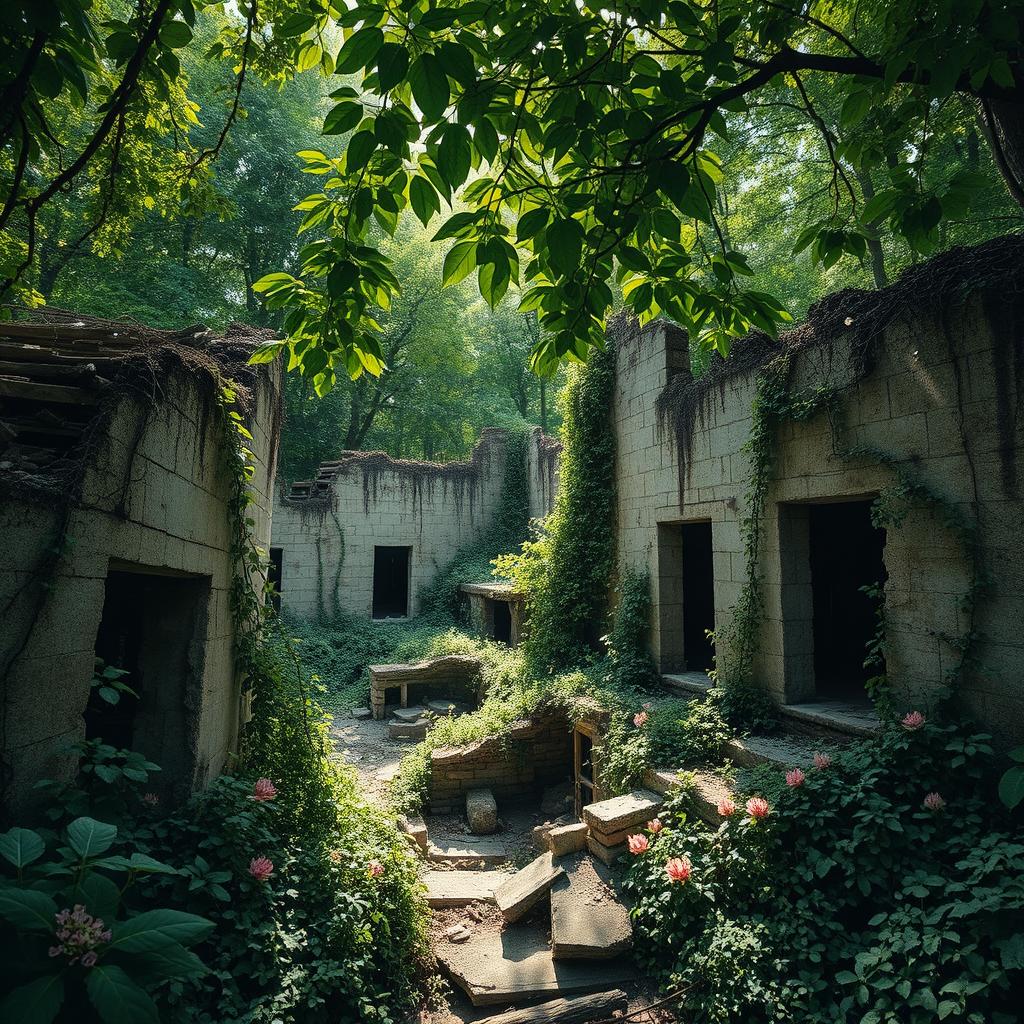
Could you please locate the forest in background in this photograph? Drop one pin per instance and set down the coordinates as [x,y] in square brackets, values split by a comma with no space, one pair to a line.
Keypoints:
[172,256]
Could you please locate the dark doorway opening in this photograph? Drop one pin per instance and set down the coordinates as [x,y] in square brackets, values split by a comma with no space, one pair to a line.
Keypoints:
[846,555]
[274,577]
[391,582]
[502,622]
[153,627]
[698,596]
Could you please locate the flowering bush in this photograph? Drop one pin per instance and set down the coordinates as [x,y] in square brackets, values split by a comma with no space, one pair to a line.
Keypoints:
[888,888]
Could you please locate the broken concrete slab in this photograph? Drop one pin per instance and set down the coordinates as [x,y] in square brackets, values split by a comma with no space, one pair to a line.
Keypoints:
[481,812]
[526,888]
[460,888]
[588,921]
[622,812]
[408,730]
[605,854]
[414,827]
[412,714]
[361,714]
[566,839]
[489,849]
[515,966]
[444,707]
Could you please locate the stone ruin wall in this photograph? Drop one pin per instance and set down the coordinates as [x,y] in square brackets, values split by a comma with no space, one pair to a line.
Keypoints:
[927,374]
[368,499]
[173,522]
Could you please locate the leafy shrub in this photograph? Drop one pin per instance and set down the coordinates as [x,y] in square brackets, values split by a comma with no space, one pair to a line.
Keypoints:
[73,938]
[861,896]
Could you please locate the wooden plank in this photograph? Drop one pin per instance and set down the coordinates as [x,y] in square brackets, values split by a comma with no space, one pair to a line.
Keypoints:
[68,332]
[13,388]
[575,1010]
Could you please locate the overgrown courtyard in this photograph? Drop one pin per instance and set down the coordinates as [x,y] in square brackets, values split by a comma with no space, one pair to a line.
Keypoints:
[511,512]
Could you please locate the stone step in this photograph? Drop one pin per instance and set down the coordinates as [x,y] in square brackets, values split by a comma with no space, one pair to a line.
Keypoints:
[515,966]
[444,707]
[414,826]
[705,793]
[605,854]
[481,812]
[460,888]
[781,751]
[588,921]
[632,810]
[526,888]
[688,684]
[489,849]
[408,730]
[838,720]
[566,839]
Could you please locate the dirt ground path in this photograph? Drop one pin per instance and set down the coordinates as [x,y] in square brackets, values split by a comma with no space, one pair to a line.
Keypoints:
[367,747]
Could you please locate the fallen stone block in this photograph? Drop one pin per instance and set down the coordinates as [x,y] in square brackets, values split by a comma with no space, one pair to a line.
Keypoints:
[487,849]
[622,812]
[567,839]
[605,854]
[526,888]
[457,933]
[414,827]
[481,812]
[408,730]
[361,714]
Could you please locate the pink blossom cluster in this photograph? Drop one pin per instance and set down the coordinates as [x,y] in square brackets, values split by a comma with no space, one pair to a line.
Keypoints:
[375,868]
[640,719]
[726,807]
[638,844]
[913,721]
[263,790]
[261,868]
[678,869]
[757,807]
[795,778]
[822,761]
[934,802]
[79,934]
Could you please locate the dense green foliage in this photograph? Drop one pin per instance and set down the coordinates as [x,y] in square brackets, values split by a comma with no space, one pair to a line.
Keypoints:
[883,886]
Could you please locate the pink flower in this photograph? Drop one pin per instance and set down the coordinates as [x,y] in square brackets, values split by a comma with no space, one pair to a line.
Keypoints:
[678,869]
[375,868]
[795,778]
[655,826]
[151,799]
[261,868]
[757,807]
[264,790]
[646,705]
[638,844]
[934,802]
[822,761]
[913,721]
[726,807]
[640,719]
[78,935]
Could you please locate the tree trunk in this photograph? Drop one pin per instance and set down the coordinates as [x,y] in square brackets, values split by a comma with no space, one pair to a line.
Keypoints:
[867,187]
[1002,121]
[543,405]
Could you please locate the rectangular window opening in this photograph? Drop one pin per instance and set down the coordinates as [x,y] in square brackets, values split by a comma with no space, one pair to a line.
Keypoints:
[698,592]
[846,556]
[153,628]
[391,582]
[274,577]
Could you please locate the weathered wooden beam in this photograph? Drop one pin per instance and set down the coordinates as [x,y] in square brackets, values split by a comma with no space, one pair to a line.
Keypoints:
[573,1010]
[11,387]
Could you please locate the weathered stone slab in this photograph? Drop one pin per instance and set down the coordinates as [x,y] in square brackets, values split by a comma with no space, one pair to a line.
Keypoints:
[444,707]
[526,888]
[567,839]
[587,924]
[414,826]
[459,888]
[488,849]
[605,854]
[776,751]
[481,812]
[622,812]
[661,780]
[408,730]
[515,966]
[412,714]
[706,792]
[361,714]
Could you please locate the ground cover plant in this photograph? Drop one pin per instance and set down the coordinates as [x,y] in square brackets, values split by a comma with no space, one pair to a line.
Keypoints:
[882,884]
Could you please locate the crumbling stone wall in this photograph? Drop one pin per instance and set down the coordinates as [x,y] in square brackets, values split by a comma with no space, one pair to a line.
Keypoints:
[530,755]
[327,528]
[154,501]
[940,390]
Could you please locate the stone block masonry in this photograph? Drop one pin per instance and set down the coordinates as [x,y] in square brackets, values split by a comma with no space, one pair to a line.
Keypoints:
[530,755]
[928,375]
[328,528]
